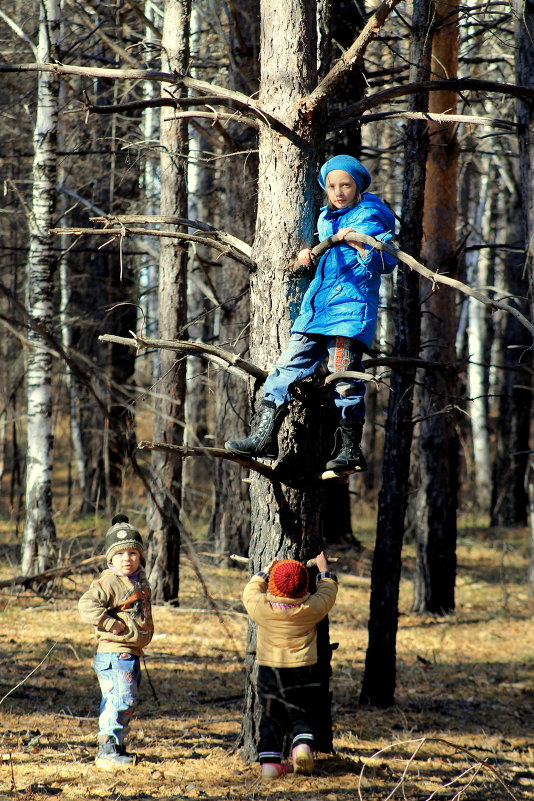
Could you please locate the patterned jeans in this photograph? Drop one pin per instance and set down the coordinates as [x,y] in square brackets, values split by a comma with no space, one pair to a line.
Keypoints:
[119,676]
[303,355]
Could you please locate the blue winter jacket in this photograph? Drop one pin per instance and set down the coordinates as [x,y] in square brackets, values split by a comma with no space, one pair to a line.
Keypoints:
[342,299]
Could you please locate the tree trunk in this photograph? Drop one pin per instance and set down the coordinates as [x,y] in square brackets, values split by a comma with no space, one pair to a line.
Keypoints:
[39,529]
[437,442]
[525,118]
[286,522]
[163,524]
[378,687]
[230,523]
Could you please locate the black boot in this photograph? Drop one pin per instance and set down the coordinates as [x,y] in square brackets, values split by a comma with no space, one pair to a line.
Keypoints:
[262,440]
[349,459]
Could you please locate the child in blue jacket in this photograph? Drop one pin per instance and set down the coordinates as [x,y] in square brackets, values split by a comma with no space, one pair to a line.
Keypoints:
[338,315]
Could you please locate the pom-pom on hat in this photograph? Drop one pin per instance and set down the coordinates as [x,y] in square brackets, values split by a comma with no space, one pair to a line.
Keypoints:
[288,579]
[122,536]
[355,169]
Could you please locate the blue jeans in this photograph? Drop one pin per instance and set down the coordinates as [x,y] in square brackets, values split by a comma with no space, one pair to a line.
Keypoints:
[303,355]
[119,676]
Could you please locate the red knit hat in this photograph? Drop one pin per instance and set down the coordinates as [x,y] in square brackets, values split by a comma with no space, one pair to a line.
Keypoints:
[288,579]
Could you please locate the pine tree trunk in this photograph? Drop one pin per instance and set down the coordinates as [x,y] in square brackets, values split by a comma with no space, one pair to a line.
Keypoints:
[437,440]
[39,529]
[163,524]
[286,522]
[378,687]
[525,118]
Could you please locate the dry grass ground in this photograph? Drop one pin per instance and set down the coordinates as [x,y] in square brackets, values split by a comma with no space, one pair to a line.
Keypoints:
[462,726]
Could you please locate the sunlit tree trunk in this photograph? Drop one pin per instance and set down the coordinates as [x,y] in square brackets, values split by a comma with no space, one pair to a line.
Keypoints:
[39,529]
[286,522]
[165,497]
[437,441]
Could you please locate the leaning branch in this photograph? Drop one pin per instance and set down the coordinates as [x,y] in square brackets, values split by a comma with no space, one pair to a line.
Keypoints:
[466,119]
[453,84]
[52,573]
[348,59]
[215,453]
[126,231]
[156,76]
[231,362]
[436,278]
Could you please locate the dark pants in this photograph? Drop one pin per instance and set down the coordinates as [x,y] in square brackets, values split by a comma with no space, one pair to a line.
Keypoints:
[287,698]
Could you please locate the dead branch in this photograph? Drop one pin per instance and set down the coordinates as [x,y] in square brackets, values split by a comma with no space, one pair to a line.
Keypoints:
[221,236]
[357,119]
[348,59]
[157,76]
[436,278]
[216,453]
[229,361]
[121,233]
[453,84]
[244,560]
[52,573]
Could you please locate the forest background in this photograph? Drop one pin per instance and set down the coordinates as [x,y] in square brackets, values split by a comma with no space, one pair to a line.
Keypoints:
[158,169]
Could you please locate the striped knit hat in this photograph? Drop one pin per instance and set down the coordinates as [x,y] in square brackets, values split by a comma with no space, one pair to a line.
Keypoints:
[123,536]
[288,579]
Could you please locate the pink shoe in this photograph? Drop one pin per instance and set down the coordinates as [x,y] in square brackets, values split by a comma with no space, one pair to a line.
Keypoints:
[302,757]
[272,770]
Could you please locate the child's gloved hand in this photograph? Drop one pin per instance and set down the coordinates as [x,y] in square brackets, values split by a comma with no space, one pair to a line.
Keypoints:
[321,562]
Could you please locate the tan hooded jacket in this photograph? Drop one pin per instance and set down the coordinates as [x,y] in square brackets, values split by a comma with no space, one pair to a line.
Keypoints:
[287,637]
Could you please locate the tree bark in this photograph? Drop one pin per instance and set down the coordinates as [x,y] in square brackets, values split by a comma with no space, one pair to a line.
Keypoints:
[525,117]
[437,441]
[378,687]
[285,522]
[39,529]
[165,500]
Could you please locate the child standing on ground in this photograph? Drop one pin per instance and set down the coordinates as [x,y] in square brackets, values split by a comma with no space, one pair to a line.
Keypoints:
[338,315]
[277,599]
[117,604]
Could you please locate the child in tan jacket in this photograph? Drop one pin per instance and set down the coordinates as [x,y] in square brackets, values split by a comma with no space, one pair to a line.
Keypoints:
[277,599]
[118,605]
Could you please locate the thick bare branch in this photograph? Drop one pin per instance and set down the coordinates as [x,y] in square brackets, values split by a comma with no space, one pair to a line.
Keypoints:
[215,453]
[436,278]
[221,93]
[492,122]
[454,84]
[125,231]
[348,59]
[222,236]
[85,566]
[223,358]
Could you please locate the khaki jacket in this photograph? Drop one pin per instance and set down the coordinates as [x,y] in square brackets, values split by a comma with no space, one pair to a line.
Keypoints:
[287,637]
[114,597]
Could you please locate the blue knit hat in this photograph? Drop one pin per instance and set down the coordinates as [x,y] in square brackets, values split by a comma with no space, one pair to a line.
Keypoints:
[355,169]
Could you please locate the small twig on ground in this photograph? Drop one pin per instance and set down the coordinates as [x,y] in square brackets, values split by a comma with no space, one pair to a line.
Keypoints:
[29,674]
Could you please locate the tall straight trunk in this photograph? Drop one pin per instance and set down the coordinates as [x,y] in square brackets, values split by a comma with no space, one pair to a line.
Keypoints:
[479,262]
[378,687]
[525,118]
[165,500]
[437,454]
[230,522]
[39,529]
[286,521]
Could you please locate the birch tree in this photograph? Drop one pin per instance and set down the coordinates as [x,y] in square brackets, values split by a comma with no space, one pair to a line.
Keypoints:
[39,528]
